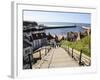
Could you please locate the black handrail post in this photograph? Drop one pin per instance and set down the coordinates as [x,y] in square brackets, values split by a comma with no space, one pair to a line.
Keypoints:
[80,58]
[89,63]
[48,49]
[40,53]
[30,62]
[72,52]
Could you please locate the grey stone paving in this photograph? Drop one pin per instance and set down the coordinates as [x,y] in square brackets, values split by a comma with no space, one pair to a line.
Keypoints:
[56,58]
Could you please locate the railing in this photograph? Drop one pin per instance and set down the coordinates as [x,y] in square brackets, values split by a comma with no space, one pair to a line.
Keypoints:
[79,56]
[46,48]
[41,52]
[28,56]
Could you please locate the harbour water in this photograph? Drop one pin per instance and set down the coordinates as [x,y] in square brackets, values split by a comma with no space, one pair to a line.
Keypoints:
[63,31]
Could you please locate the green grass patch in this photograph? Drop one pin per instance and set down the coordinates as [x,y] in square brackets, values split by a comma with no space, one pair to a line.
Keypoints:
[83,44]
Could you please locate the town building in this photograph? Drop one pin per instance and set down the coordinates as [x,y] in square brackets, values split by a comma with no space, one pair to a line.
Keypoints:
[34,37]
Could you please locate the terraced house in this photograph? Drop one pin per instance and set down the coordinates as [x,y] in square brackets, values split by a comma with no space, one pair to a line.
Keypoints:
[34,37]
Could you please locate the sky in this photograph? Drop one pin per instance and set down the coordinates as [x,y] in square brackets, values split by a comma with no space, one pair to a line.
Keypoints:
[44,16]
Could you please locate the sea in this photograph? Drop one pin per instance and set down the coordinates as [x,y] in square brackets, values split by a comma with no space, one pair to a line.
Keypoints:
[64,30]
